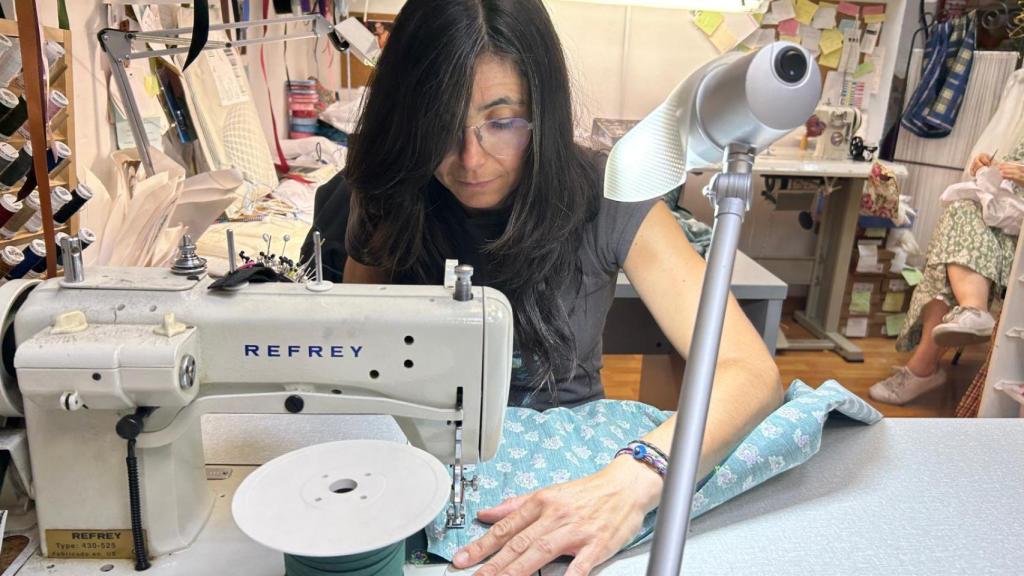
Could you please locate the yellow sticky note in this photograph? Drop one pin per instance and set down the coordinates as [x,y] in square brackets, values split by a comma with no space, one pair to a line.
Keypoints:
[865,68]
[805,10]
[831,41]
[793,39]
[723,39]
[830,60]
[708,21]
[893,301]
[152,85]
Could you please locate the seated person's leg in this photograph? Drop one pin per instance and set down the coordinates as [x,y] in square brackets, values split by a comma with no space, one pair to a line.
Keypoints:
[922,372]
[970,322]
[963,257]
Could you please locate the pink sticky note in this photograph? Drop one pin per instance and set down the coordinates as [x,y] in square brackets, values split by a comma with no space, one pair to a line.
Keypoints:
[789,27]
[868,10]
[850,9]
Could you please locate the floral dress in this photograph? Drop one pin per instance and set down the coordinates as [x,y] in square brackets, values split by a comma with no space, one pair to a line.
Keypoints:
[963,238]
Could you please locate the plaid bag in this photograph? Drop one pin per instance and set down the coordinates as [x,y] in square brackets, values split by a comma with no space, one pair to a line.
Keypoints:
[948,59]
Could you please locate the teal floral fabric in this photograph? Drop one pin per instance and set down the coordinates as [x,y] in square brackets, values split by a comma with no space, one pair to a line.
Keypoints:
[539,449]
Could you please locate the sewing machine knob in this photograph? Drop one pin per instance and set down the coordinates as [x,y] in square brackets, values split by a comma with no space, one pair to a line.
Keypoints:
[71,401]
[187,373]
[463,283]
[294,404]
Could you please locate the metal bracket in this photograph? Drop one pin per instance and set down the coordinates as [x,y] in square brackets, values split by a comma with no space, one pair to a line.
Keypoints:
[736,178]
[118,44]
[456,509]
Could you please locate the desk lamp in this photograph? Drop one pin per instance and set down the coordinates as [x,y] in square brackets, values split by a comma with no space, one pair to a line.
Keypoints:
[724,114]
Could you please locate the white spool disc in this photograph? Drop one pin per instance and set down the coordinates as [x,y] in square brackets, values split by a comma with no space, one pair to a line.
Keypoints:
[341,498]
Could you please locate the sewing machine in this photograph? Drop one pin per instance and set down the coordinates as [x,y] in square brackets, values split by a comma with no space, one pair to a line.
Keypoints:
[839,124]
[91,354]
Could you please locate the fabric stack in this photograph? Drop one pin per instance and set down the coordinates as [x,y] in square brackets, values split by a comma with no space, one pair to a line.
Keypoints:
[302,108]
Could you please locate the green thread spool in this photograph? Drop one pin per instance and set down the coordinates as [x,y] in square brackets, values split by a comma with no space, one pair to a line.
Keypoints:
[387,561]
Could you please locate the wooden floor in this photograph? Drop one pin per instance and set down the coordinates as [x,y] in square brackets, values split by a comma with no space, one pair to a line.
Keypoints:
[621,374]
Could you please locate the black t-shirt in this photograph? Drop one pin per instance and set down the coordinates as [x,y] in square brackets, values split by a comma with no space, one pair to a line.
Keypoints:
[606,243]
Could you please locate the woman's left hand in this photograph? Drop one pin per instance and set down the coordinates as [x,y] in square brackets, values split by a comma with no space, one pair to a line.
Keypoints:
[1012,171]
[590,519]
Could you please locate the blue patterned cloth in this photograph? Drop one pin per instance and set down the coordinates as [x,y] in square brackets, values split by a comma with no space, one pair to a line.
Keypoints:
[948,59]
[539,449]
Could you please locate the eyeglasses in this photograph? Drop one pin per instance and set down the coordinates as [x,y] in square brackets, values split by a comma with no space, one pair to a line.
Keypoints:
[502,137]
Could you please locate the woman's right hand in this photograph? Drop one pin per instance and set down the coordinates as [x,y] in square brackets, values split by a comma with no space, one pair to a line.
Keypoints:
[980,160]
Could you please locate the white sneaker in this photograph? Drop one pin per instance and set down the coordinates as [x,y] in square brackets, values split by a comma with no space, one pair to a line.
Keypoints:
[903,386]
[964,326]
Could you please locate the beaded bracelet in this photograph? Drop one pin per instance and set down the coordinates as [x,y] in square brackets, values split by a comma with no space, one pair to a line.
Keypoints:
[648,454]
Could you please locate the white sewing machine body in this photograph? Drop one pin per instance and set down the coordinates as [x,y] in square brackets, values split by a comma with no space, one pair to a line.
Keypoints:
[416,353]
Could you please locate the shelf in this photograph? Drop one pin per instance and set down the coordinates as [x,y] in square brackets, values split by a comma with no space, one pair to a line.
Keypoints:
[63,131]
[26,237]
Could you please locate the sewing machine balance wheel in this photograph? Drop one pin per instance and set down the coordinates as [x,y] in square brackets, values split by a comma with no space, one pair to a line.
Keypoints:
[341,498]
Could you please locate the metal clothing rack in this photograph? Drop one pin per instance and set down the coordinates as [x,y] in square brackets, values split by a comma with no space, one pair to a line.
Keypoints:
[119,46]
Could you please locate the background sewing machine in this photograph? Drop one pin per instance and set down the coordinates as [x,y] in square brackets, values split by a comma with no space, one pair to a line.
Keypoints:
[838,125]
[143,353]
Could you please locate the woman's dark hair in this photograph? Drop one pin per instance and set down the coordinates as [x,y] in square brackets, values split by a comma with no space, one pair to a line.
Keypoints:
[415,112]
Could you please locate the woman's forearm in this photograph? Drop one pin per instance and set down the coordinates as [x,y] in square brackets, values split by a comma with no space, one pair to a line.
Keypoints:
[743,395]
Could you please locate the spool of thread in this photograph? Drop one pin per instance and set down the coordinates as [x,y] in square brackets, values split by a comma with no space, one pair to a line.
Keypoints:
[8,101]
[85,237]
[12,175]
[55,103]
[57,121]
[14,119]
[79,197]
[8,154]
[40,268]
[9,206]
[387,561]
[59,153]
[9,258]
[54,52]
[57,240]
[59,196]
[10,64]
[29,206]
[33,253]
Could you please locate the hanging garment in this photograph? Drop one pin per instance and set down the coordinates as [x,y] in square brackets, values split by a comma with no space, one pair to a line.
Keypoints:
[539,449]
[949,56]
[1001,206]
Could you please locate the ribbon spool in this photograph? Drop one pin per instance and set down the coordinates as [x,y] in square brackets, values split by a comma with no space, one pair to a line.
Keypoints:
[342,508]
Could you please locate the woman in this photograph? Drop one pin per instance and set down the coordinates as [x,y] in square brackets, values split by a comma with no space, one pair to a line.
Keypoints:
[465,150]
[968,262]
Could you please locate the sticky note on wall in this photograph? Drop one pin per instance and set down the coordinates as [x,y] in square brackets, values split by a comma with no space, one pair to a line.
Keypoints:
[831,41]
[825,17]
[849,9]
[708,21]
[789,27]
[805,10]
[831,60]
[874,14]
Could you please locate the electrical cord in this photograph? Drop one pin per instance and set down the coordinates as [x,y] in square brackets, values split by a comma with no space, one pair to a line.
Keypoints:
[129,427]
